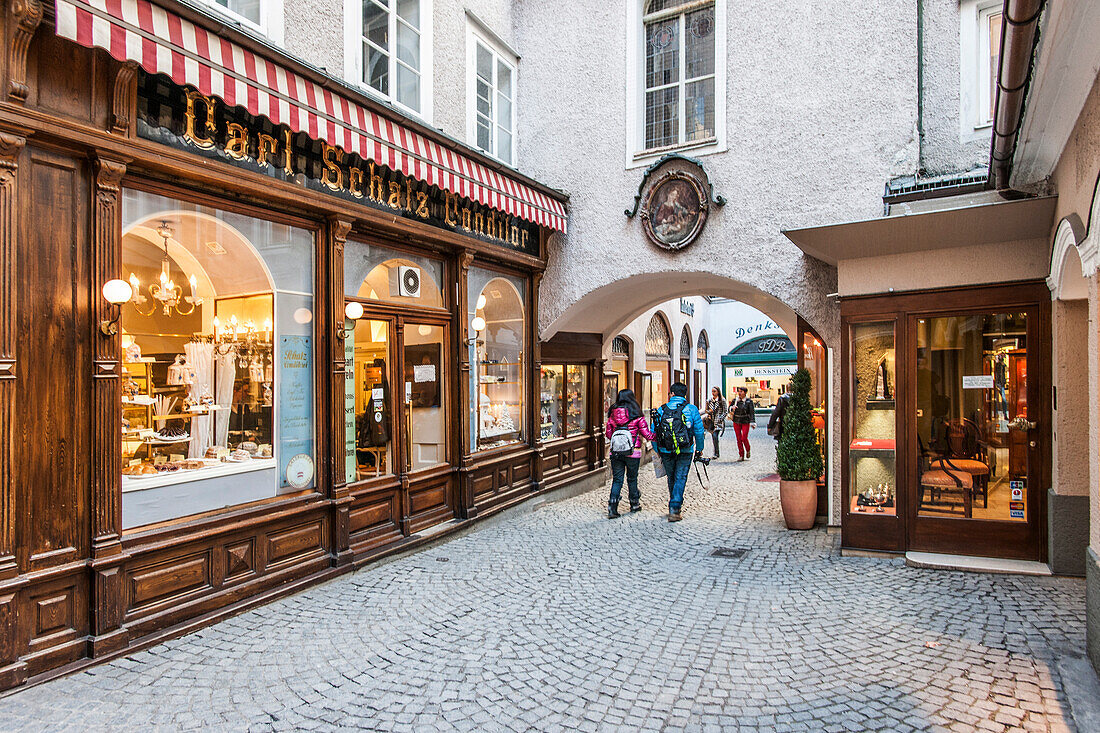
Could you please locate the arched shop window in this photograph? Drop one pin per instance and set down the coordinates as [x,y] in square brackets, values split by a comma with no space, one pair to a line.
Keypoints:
[217,406]
[380,273]
[658,339]
[685,343]
[496,322]
[702,347]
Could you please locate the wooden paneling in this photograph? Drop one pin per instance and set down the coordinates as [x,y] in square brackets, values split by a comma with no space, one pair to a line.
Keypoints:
[51,426]
[171,578]
[288,546]
[67,79]
[500,481]
[431,501]
[374,519]
[52,617]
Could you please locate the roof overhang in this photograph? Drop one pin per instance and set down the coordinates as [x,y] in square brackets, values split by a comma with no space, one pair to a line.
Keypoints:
[1004,221]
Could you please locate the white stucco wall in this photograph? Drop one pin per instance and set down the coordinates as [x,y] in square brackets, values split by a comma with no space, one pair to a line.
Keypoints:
[952,143]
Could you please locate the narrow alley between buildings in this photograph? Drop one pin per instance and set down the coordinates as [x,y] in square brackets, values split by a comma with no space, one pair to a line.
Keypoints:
[552,617]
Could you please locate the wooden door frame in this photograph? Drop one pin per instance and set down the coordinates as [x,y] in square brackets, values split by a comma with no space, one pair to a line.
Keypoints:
[902,308]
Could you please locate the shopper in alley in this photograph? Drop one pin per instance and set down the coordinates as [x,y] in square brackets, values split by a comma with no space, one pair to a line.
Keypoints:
[743,417]
[679,440]
[626,428]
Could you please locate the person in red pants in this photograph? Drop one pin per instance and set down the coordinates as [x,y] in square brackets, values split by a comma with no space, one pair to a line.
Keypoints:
[743,416]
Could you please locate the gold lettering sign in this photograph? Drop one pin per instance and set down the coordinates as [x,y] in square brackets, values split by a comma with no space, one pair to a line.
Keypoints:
[372,183]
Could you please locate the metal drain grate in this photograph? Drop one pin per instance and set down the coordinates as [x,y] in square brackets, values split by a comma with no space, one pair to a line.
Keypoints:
[730,553]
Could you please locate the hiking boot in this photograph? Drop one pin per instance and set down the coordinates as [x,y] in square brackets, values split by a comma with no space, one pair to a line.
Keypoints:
[674,516]
[635,508]
[748,454]
[613,513]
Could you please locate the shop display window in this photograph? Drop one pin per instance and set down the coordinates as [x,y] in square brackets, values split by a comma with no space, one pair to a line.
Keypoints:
[576,406]
[217,406]
[872,448]
[551,409]
[425,403]
[496,322]
[972,416]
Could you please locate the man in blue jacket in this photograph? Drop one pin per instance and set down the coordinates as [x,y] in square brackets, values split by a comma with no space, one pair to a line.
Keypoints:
[680,436]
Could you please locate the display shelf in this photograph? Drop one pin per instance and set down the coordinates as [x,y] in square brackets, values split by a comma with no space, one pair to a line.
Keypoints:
[876,404]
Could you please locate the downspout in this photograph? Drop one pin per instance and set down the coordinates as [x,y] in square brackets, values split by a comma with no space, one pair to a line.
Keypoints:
[1019,39]
[920,87]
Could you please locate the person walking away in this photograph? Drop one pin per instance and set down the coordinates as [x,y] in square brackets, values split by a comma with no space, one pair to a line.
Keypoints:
[680,438]
[626,428]
[743,416]
[775,423]
[714,417]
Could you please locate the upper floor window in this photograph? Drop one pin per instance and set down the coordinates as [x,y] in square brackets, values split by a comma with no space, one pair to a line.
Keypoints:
[989,60]
[389,49]
[263,16]
[680,52]
[491,109]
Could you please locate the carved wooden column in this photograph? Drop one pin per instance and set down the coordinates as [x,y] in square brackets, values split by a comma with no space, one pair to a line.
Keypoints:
[534,391]
[465,508]
[107,554]
[339,496]
[12,672]
[25,15]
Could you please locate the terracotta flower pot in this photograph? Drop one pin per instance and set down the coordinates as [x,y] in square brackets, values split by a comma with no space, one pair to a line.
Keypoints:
[799,500]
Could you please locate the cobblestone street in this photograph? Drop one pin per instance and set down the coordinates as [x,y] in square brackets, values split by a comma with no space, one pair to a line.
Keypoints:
[558,618]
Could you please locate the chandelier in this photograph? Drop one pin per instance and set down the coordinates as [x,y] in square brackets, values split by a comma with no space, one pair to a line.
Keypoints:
[244,339]
[165,292]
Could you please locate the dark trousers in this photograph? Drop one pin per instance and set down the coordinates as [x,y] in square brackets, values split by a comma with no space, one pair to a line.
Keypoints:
[629,468]
[741,429]
[714,436]
[676,470]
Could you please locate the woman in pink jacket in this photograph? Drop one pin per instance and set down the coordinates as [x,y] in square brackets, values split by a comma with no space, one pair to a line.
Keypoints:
[626,428]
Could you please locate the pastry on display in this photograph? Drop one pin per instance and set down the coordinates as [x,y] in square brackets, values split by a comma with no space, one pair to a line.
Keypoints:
[264,451]
[139,469]
[238,456]
[174,434]
[212,451]
[249,446]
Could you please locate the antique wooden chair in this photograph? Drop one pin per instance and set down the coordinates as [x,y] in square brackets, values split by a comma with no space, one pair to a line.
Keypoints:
[961,449]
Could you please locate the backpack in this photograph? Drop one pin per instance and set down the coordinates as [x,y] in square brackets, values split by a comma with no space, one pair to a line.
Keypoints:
[622,442]
[673,435]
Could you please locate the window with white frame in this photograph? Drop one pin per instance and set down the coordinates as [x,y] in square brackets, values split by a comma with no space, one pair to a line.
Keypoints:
[263,16]
[989,60]
[680,89]
[389,48]
[492,94]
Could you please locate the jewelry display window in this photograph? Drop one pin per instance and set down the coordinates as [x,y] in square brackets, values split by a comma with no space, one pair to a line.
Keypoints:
[217,359]
[872,447]
[497,333]
[563,393]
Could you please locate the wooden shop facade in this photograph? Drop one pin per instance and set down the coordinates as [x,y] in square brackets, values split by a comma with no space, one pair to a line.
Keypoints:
[255,330]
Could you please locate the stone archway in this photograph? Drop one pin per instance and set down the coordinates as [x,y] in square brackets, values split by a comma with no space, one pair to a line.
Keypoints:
[609,308]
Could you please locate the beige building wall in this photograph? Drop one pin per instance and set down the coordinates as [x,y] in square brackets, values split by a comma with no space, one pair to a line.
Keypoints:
[1075,176]
[984,263]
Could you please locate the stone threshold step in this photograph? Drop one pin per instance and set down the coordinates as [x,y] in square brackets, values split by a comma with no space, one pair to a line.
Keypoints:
[967,563]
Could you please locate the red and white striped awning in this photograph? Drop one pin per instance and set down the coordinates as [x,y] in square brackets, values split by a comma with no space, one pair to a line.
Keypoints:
[164,43]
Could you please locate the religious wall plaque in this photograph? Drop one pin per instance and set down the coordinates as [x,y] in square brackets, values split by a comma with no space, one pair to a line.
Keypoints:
[675,210]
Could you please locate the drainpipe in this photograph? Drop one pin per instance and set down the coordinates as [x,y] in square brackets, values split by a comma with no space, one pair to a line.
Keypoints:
[920,88]
[1019,37]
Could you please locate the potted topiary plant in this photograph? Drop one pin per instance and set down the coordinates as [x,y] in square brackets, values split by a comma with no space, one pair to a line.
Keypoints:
[797,457]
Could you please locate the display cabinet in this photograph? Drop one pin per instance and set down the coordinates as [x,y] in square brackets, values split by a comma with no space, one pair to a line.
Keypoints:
[576,404]
[872,465]
[551,386]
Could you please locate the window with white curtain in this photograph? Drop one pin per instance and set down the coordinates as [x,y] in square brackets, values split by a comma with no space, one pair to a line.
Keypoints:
[387,40]
[680,81]
[492,95]
[262,16]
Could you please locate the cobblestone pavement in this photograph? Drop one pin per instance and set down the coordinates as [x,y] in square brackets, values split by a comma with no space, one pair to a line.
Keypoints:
[557,618]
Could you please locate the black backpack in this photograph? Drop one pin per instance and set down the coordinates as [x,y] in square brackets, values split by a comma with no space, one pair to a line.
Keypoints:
[673,435]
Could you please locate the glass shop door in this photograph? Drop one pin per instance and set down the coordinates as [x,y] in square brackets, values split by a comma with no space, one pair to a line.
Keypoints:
[974,434]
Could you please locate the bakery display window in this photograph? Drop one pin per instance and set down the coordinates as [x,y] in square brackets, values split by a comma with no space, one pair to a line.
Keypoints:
[551,401]
[217,374]
[497,328]
[576,404]
[872,447]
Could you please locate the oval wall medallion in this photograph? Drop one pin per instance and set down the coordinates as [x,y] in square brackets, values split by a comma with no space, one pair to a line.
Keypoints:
[675,210]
